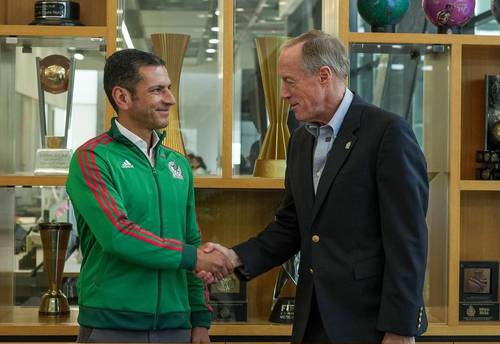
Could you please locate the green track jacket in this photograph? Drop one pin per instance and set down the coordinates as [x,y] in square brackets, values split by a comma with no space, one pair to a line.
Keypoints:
[138,233]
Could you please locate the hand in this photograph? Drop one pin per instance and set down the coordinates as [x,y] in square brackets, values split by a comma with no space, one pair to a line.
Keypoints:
[391,338]
[199,335]
[213,262]
[228,252]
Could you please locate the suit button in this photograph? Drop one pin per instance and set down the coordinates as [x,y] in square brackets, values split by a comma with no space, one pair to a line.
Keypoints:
[315,238]
[311,271]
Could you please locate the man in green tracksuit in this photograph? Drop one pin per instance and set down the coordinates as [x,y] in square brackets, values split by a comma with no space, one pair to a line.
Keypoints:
[134,206]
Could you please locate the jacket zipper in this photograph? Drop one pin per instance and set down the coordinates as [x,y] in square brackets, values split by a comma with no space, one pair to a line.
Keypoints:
[155,324]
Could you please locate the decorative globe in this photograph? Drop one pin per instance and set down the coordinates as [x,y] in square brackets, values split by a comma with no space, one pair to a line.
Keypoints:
[495,9]
[383,15]
[448,14]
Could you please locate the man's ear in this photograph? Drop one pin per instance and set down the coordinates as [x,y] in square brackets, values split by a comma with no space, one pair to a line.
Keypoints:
[122,97]
[325,74]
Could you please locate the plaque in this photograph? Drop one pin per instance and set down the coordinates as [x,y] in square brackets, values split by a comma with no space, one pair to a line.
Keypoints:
[478,311]
[229,288]
[229,311]
[55,75]
[492,136]
[478,290]
[57,12]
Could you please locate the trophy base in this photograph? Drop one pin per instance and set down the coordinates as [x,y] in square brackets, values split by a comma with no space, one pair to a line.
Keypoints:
[54,304]
[57,22]
[283,311]
[384,28]
[52,161]
[270,168]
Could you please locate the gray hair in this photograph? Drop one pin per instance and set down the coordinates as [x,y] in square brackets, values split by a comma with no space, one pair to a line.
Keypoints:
[321,49]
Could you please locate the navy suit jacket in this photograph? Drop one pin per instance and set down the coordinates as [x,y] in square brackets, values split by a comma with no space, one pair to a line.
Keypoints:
[368,267]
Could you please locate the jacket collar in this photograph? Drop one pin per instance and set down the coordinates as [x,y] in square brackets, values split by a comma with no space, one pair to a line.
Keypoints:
[115,133]
[341,148]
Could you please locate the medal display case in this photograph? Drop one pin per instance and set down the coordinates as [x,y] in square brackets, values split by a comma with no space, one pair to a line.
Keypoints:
[436,81]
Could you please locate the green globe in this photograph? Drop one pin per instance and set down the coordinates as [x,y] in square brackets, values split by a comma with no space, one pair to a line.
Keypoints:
[383,15]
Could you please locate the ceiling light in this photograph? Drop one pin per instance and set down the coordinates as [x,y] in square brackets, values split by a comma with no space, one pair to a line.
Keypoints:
[79,56]
[239,9]
[210,51]
[215,29]
[213,41]
[217,12]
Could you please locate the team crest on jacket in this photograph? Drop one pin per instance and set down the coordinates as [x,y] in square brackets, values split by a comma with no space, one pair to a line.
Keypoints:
[175,169]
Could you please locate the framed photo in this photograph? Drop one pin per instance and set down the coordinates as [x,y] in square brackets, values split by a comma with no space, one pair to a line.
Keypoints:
[492,125]
[478,281]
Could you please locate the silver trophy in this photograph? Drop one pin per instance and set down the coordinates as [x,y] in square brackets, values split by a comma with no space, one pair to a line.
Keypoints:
[283,308]
[55,75]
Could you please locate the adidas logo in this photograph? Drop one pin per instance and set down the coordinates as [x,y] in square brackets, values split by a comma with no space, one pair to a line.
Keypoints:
[127,164]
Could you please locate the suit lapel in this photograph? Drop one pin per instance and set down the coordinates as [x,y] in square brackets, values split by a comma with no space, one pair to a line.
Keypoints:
[305,177]
[342,147]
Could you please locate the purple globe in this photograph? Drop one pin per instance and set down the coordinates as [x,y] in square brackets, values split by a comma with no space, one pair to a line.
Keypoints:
[448,13]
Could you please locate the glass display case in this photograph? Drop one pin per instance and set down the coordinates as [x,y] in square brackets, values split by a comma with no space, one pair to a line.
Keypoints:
[413,81]
[481,22]
[254,19]
[200,88]
[20,134]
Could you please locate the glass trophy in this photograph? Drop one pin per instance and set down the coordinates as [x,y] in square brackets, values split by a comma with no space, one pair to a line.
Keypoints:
[283,308]
[55,75]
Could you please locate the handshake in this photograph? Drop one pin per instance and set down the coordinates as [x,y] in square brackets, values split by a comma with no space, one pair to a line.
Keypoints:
[214,262]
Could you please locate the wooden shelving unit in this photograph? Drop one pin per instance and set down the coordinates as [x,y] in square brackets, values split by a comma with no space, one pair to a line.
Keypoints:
[473,229]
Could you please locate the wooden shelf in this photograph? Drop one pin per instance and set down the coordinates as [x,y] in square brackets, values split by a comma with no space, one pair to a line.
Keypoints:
[26,179]
[238,183]
[418,38]
[480,185]
[53,31]
[16,321]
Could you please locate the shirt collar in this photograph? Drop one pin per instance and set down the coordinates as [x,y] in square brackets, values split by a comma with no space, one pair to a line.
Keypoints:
[337,118]
[136,139]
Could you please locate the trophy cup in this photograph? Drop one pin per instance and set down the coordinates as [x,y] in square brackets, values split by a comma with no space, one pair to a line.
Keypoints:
[55,237]
[57,12]
[171,48]
[283,308]
[55,74]
[271,162]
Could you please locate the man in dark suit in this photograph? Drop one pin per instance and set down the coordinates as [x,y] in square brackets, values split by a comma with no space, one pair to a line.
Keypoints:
[356,194]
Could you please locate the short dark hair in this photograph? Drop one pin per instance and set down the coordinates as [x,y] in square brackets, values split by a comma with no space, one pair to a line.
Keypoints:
[122,69]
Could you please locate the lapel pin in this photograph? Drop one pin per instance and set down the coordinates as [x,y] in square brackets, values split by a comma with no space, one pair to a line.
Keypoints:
[348,145]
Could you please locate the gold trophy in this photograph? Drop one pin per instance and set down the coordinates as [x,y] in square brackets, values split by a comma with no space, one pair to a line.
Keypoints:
[55,237]
[171,48]
[271,162]
[55,74]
